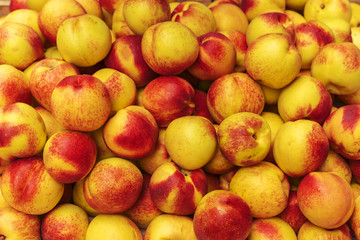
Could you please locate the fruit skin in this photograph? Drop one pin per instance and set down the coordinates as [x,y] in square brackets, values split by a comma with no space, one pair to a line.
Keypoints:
[66,164]
[13,87]
[244,138]
[42,191]
[112,226]
[65,221]
[341,129]
[36,4]
[132,133]
[79,198]
[271,228]
[325,199]
[45,75]
[126,57]
[354,221]
[15,224]
[319,9]
[233,93]
[254,8]
[196,16]
[217,57]
[170,226]
[177,191]
[345,58]
[264,187]
[141,14]
[335,163]
[83,40]
[168,98]
[18,4]
[169,47]
[51,125]
[113,185]
[191,141]
[311,231]
[307,144]
[315,105]
[222,214]
[27,43]
[22,132]
[53,13]
[80,103]
[274,66]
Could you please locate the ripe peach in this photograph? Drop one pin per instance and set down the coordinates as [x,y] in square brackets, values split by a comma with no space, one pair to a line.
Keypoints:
[271,228]
[253,8]
[79,198]
[311,231]
[51,125]
[336,164]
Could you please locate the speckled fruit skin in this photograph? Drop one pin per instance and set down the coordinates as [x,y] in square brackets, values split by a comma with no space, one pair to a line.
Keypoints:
[271,228]
[64,162]
[81,103]
[113,185]
[65,221]
[307,144]
[132,133]
[341,127]
[223,215]
[325,199]
[34,194]
[311,231]
[168,98]
[175,190]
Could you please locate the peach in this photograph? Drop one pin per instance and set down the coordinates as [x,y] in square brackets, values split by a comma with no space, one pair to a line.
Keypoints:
[354,221]
[170,226]
[53,13]
[310,37]
[52,52]
[13,87]
[80,103]
[22,132]
[325,199]
[213,182]
[126,56]
[264,187]
[191,141]
[336,164]
[169,47]
[168,98]
[349,99]
[319,9]
[175,190]
[51,125]
[119,26]
[3,203]
[18,4]
[311,231]
[157,157]
[65,221]
[344,80]
[217,57]
[36,4]
[20,45]
[270,22]
[315,105]
[271,228]
[144,209]
[239,40]
[244,138]
[300,147]
[132,133]
[92,7]
[254,8]
[224,179]
[44,77]
[274,66]
[112,226]
[296,17]
[65,163]
[229,16]
[102,150]
[15,224]
[121,87]
[341,129]
[200,101]
[113,185]
[233,93]
[340,27]
[109,5]
[195,15]
[223,215]
[271,95]
[79,199]
[141,14]
[292,213]
[83,40]
[34,194]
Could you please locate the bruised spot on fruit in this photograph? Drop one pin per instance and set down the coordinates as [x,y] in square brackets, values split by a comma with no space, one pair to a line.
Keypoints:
[267,229]
[350,116]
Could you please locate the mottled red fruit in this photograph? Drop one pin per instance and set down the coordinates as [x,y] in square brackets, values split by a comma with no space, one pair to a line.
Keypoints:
[126,56]
[222,215]
[168,98]
[60,153]
[319,34]
[292,213]
[201,108]
[113,185]
[18,4]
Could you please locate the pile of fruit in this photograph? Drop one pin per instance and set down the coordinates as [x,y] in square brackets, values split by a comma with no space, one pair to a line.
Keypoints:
[139,119]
